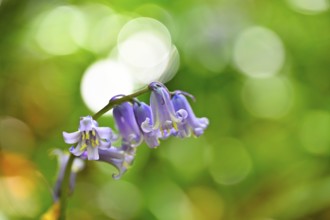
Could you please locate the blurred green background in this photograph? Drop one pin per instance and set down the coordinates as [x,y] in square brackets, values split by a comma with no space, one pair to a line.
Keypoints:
[259,70]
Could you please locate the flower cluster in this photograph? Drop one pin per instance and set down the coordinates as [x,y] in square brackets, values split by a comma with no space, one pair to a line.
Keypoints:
[169,114]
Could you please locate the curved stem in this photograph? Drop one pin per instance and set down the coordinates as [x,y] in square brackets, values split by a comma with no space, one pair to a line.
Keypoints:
[118,101]
[66,179]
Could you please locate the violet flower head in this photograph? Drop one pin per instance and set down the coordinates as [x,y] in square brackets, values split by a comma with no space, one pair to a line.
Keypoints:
[166,119]
[78,165]
[143,116]
[89,137]
[191,123]
[121,158]
[127,125]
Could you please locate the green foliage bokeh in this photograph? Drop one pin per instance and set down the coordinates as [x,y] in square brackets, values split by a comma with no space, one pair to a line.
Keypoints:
[265,154]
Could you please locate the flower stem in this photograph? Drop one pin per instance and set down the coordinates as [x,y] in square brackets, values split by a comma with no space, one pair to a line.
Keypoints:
[118,101]
[66,179]
[65,187]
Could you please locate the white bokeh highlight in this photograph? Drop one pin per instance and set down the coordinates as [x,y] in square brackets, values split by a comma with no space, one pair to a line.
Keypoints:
[309,6]
[144,53]
[145,46]
[267,97]
[258,52]
[103,80]
[60,29]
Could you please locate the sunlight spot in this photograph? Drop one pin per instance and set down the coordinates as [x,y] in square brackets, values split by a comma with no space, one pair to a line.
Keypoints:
[259,52]
[104,33]
[103,25]
[103,80]
[206,37]
[309,6]
[145,46]
[267,97]
[60,30]
[231,162]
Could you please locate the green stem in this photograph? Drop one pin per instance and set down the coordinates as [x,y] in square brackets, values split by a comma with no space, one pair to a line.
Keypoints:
[65,187]
[66,179]
[118,101]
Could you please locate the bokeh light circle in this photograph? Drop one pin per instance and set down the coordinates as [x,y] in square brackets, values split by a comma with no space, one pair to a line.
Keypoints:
[120,200]
[16,136]
[103,25]
[145,46]
[206,38]
[166,200]
[314,132]
[189,150]
[60,30]
[259,52]
[104,33]
[267,97]
[163,72]
[103,80]
[231,163]
[144,42]
[309,6]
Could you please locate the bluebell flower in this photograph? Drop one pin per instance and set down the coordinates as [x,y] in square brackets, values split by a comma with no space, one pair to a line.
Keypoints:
[89,137]
[122,158]
[191,124]
[166,119]
[78,165]
[143,116]
[119,157]
[127,125]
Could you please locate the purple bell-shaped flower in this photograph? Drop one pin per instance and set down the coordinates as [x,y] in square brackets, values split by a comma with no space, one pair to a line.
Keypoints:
[165,117]
[127,125]
[191,124]
[121,158]
[143,116]
[89,137]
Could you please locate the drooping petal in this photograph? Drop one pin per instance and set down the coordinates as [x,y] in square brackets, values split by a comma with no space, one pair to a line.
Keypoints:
[117,157]
[78,165]
[77,151]
[93,153]
[146,126]
[198,131]
[62,161]
[71,138]
[190,123]
[204,122]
